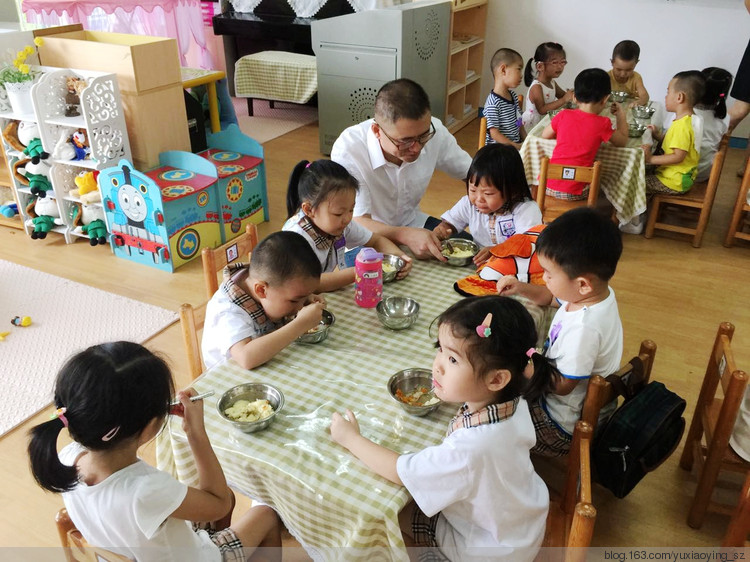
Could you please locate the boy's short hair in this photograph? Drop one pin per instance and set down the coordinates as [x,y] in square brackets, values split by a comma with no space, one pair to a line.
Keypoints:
[591,85]
[692,83]
[582,242]
[626,50]
[504,56]
[401,99]
[282,256]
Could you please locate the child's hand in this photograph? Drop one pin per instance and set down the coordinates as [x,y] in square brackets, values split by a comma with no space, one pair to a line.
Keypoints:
[569,95]
[190,412]
[309,317]
[508,285]
[482,256]
[443,231]
[343,429]
[404,271]
[316,298]
[615,108]
[647,154]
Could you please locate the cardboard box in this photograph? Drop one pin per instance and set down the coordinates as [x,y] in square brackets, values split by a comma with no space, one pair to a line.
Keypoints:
[156,122]
[140,62]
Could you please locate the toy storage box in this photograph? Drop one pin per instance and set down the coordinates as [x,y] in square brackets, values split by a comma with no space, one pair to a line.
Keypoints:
[243,197]
[149,76]
[165,216]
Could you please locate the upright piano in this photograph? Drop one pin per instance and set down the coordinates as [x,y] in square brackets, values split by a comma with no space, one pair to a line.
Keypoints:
[272,26]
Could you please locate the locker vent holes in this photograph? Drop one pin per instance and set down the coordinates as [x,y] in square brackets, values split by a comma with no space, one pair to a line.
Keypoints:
[362,104]
[427,36]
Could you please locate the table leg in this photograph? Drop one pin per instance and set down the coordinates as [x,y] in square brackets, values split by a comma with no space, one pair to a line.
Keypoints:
[213,107]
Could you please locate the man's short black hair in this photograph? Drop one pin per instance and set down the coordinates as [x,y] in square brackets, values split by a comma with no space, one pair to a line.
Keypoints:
[626,50]
[401,99]
[282,256]
[591,85]
[582,242]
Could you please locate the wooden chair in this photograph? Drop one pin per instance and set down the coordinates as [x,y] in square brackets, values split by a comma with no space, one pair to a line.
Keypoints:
[739,524]
[600,392]
[192,321]
[216,259]
[550,206]
[483,125]
[75,546]
[740,213]
[713,421]
[700,198]
[571,518]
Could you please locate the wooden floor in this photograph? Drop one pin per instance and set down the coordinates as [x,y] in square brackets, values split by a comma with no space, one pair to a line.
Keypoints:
[667,291]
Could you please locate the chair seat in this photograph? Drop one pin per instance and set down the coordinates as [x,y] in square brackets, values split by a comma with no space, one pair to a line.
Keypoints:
[696,195]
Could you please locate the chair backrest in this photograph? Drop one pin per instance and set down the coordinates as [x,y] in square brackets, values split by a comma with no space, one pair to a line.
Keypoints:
[192,321]
[601,392]
[552,207]
[740,208]
[75,546]
[216,259]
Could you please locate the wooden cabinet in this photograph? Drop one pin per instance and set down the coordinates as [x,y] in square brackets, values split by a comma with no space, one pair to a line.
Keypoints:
[464,95]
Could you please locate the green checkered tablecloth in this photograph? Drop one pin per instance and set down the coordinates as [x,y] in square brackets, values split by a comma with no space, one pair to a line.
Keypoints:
[334,505]
[276,75]
[623,177]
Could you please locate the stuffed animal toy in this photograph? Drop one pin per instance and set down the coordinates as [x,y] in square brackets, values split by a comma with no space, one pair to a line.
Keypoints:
[10,134]
[516,256]
[88,189]
[28,135]
[75,86]
[90,220]
[9,210]
[36,176]
[44,217]
[64,147]
[97,232]
[80,144]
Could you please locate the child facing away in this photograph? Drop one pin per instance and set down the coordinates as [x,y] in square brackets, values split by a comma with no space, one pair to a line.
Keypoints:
[578,252]
[623,77]
[320,206]
[712,108]
[247,319]
[544,93]
[580,132]
[498,203]
[501,107]
[113,398]
[476,493]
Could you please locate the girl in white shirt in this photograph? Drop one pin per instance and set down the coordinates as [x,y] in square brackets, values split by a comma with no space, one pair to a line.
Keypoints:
[113,398]
[320,205]
[476,494]
[713,108]
[498,203]
[544,93]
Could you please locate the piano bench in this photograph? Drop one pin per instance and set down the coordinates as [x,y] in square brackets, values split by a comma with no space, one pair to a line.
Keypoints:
[275,76]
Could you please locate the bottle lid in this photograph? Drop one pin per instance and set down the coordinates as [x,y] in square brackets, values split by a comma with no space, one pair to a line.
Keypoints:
[369,254]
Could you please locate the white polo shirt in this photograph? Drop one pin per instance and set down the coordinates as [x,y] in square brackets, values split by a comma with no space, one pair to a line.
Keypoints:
[523,216]
[391,193]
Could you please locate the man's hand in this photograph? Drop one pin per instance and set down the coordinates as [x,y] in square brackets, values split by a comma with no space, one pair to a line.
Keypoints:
[423,243]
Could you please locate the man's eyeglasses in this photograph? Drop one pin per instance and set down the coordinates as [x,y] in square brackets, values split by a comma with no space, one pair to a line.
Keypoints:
[405,144]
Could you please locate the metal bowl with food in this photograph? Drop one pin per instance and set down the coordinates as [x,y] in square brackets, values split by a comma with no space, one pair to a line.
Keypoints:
[643,111]
[459,251]
[619,97]
[412,389]
[243,406]
[636,130]
[319,332]
[391,266]
[397,313]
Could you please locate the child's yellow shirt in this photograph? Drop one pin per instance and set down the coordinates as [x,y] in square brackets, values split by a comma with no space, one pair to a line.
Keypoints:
[628,86]
[680,135]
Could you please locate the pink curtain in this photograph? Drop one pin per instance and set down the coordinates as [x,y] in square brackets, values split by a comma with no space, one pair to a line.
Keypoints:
[180,19]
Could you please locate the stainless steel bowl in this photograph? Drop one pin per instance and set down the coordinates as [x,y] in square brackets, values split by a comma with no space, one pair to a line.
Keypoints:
[396,262]
[320,332]
[635,130]
[397,313]
[251,391]
[460,244]
[619,97]
[409,380]
[643,111]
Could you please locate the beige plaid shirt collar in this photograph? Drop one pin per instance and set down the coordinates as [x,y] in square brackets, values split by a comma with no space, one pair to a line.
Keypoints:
[494,413]
[231,275]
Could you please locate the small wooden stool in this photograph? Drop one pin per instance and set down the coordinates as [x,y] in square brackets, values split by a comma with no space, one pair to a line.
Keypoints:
[275,76]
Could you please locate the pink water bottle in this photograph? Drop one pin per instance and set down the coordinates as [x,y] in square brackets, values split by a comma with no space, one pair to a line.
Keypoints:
[368,278]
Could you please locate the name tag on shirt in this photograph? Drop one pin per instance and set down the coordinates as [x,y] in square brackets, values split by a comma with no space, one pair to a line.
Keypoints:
[507,227]
[340,255]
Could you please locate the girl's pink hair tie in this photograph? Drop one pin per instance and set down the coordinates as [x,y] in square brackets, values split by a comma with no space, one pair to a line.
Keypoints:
[60,413]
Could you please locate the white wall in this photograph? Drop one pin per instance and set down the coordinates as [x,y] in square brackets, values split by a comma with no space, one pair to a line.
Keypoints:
[674,35]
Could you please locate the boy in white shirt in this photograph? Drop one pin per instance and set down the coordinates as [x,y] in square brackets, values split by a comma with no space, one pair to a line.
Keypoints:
[579,252]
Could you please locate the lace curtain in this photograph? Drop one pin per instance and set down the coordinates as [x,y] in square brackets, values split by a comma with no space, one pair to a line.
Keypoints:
[308,8]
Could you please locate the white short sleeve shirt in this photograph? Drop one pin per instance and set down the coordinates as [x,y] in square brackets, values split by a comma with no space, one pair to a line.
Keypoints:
[489,230]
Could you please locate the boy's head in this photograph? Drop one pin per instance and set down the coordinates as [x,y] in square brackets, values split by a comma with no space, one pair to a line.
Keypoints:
[686,88]
[624,58]
[283,272]
[507,67]
[582,247]
[591,86]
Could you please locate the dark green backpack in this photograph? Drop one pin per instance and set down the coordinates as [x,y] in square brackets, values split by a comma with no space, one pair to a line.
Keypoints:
[640,435]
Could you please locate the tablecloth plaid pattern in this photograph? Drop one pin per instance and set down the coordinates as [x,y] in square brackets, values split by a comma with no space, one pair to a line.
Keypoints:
[276,75]
[334,505]
[623,177]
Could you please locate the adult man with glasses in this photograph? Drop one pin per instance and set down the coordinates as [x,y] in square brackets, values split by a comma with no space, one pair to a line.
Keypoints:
[393,156]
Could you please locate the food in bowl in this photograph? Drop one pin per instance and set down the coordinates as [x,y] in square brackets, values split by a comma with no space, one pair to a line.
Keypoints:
[458,252]
[420,396]
[388,268]
[249,411]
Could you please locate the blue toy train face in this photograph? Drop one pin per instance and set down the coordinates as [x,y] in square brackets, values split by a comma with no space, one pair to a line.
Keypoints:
[132,203]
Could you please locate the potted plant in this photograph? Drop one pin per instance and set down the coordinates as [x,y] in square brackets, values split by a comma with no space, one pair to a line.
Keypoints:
[18,78]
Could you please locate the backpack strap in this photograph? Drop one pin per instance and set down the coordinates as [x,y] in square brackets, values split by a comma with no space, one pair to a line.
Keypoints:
[629,383]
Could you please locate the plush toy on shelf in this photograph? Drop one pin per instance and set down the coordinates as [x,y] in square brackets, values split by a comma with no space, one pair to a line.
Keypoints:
[73,97]
[36,176]
[89,219]
[81,144]
[87,189]
[9,210]
[28,135]
[64,146]
[97,232]
[44,217]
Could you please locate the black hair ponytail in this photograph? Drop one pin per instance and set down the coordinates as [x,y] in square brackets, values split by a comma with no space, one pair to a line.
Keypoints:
[528,72]
[293,201]
[543,380]
[48,471]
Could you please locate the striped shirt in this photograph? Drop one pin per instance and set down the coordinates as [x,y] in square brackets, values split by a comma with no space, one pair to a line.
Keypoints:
[503,115]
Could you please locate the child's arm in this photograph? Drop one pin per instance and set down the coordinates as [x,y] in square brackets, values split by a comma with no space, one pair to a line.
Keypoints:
[334,280]
[642,98]
[498,137]
[212,498]
[379,459]
[565,385]
[549,133]
[537,98]
[444,230]
[620,136]
[385,246]
[664,159]
[656,133]
[538,294]
[251,352]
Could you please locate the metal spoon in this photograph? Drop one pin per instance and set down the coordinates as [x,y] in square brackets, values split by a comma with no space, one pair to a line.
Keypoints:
[449,246]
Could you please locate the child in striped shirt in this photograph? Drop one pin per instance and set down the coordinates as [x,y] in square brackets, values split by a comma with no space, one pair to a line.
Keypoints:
[501,108]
